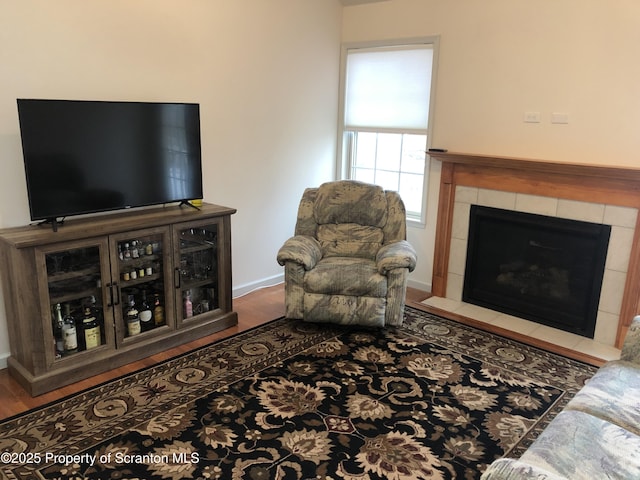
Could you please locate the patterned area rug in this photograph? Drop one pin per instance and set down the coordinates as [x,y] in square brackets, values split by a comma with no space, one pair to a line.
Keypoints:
[432,399]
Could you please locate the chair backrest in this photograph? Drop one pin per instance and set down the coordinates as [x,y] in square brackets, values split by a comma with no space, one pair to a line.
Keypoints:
[351,218]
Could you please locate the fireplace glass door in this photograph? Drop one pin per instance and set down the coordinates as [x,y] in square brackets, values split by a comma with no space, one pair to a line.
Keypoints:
[545,269]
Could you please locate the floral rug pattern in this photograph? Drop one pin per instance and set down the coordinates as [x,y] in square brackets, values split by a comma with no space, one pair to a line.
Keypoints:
[432,399]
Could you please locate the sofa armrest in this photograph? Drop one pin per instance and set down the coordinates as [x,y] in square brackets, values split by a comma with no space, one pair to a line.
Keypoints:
[512,469]
[396,255]
[631,346]
[301,249]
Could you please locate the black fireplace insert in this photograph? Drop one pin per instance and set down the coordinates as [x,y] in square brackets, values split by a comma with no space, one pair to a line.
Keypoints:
[545,269]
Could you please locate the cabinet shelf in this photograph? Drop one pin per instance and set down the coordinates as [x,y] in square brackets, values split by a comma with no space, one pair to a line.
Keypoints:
[72,358]
[191,284]
[73,296]
[81,260]
[137,262]
[140,280]
[145,336]
[197,248]
[73,274]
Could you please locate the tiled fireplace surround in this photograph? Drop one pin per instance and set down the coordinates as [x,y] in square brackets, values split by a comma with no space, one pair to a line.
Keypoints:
[597,194]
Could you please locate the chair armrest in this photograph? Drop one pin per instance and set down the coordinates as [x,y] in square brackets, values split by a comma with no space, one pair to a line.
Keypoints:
[631,346]
[301,249]
[396,255]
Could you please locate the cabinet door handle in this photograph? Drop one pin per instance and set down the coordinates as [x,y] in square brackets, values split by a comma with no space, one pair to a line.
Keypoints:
[110,287]
[117,289]
[176,277]
[113,302]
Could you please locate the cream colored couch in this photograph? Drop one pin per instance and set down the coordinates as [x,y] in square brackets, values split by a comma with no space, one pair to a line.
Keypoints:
[596,436]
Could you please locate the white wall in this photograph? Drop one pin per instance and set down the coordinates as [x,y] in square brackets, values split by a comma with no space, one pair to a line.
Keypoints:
[264,71]
[501,58]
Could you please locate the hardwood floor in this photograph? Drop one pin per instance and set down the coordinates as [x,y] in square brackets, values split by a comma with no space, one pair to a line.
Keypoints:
[253,309]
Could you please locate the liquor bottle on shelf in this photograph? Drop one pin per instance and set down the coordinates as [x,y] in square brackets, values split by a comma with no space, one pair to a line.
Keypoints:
[132,317]
[97,311]
[141,249]
[204,305]
[146,315]
[135,253]
[57,330]
[69,332]
[90,329]
[188,305]
[127,251]
[158,311]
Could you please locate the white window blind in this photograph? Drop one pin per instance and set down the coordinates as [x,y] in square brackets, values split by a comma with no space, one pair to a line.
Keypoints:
[388,88]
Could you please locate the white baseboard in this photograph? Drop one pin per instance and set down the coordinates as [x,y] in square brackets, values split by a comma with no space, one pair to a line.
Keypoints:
[3,360]
[425,287]
[240,290]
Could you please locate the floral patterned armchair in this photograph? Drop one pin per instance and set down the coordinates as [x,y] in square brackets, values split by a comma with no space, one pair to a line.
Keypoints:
[349,259]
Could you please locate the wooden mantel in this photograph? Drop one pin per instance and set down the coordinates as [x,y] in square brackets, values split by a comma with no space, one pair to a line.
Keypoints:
[543,166]
[610,185]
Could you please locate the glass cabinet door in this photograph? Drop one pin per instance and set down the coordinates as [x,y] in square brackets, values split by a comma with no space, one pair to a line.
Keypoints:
[140,269]
[76,302]
[197,270]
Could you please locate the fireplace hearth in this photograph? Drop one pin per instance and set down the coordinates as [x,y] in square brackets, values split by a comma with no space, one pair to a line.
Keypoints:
[545,269]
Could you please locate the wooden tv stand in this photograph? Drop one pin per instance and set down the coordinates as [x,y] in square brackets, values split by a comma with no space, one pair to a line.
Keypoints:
[177,257]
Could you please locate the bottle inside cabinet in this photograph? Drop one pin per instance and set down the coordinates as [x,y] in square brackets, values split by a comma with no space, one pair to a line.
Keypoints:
[74,284]
[142,283]
[91,333]
[198,270]
[69,332]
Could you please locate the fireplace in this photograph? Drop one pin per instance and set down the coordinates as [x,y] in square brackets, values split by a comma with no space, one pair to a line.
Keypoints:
[545,269]
[592,193]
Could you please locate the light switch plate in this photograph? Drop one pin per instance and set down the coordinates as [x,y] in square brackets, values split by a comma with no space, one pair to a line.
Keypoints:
[561,118]
[531,117]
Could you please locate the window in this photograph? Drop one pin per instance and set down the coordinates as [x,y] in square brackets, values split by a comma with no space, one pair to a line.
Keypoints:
[385,110]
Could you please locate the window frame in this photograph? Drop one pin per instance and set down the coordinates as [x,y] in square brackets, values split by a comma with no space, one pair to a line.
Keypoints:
[345,137]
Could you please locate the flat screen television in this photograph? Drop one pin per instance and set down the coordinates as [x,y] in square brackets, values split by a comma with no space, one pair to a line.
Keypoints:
[93,156]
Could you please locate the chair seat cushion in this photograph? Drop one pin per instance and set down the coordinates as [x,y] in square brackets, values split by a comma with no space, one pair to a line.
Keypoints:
[346,276]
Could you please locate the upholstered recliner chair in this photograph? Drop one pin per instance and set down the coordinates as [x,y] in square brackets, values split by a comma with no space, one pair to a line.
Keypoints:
[349,259]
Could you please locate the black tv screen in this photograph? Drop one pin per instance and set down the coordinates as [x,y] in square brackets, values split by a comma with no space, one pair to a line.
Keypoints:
[94,156]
